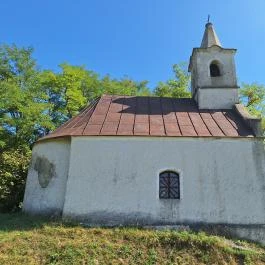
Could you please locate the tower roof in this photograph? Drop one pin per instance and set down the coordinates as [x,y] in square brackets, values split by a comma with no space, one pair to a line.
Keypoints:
[210,37]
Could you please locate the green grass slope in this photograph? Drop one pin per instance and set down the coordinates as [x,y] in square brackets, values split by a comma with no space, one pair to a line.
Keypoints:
[28,240]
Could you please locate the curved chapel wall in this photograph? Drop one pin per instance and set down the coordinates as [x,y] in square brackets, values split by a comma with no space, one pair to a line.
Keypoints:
[47,176]
[115,180]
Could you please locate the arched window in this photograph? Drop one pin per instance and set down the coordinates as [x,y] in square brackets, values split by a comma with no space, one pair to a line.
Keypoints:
[214,70]
[169,185]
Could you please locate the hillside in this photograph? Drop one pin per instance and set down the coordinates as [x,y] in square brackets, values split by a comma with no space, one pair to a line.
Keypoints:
[27,240]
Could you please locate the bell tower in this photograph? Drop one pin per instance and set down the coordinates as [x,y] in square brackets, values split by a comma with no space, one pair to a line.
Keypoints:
[213,73]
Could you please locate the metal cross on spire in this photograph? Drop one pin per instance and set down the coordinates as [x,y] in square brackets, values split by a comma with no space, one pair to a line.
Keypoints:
[208,20]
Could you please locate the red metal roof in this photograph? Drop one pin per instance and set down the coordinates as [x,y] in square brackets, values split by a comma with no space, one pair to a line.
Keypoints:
[152,116]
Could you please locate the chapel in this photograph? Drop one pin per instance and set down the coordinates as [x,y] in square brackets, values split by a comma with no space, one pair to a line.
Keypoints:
[131,160]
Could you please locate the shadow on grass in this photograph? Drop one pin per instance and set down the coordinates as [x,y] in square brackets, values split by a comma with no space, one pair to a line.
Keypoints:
[24,222]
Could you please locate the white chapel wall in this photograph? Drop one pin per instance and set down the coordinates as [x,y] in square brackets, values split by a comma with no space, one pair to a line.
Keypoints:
[227,68]
[114,180]
[217,98]
[47,176]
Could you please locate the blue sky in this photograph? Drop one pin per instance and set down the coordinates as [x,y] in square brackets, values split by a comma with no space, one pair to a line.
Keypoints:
[141,39]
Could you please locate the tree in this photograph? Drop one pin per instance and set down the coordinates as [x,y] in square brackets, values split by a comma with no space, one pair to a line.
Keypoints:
[177,87]
[68,91]
[124,86]
[73,87]
[23,119]
[23,103]
[253,97]
[13,172]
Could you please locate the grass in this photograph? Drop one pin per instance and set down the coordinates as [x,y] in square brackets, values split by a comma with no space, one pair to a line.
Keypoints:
[28,240]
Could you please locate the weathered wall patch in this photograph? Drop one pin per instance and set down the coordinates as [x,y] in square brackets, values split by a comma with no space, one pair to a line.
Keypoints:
[45,169]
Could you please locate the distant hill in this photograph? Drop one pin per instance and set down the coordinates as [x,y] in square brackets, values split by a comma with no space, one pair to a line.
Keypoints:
[28,240]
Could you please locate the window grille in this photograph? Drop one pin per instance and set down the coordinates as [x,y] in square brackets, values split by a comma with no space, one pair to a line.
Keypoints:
[169,185]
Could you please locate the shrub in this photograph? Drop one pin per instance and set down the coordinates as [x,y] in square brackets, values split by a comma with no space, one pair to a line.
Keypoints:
[13,171]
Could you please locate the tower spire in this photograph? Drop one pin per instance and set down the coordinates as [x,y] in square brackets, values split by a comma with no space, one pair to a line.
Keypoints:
[209,37]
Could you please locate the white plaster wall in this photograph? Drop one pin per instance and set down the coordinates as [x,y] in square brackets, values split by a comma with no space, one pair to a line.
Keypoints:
[217,98]
[114,180]
[203,60]
[49,200]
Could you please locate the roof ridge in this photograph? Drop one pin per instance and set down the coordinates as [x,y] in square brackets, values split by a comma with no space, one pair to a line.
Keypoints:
[139,96]
[93,106]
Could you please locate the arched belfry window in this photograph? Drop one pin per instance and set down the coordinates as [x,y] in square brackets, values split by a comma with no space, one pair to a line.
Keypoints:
[214,69]
[169,185]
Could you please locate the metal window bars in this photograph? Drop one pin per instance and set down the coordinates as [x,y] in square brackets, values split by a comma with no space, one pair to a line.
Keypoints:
[169,185]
